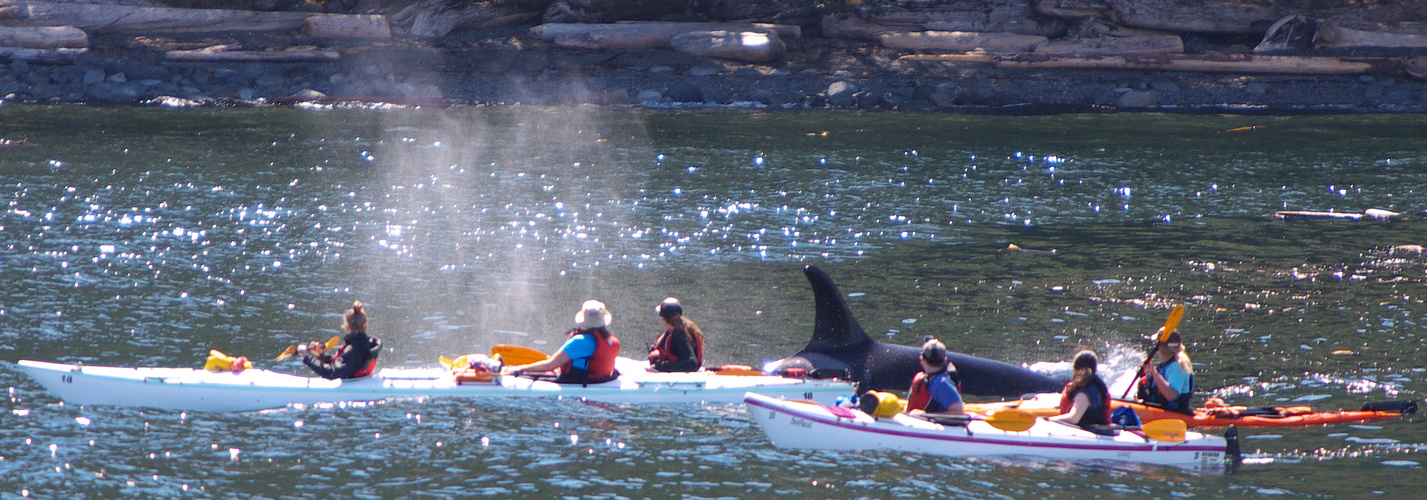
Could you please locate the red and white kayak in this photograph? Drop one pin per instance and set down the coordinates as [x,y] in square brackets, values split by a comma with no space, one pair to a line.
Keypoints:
[807,425]
[190,389]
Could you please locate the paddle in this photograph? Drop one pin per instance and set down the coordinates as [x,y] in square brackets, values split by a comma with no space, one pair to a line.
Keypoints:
[1011,419]
[292,349]
[517,355]
[1169,430]
[1170,324]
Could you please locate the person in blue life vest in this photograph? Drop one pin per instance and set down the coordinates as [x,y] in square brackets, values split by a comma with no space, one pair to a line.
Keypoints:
[934,390]
[355,358]
[588,356]
[1086,399]
[681,347]
[1169,377]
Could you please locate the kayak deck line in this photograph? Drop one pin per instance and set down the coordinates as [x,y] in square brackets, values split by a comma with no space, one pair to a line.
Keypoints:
[1048,404]
[190,389]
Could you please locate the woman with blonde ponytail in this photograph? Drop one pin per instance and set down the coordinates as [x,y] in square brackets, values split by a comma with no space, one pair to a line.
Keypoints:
[356,358]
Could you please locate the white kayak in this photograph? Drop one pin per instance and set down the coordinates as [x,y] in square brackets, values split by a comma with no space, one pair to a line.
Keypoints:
[809,425]
[190,389]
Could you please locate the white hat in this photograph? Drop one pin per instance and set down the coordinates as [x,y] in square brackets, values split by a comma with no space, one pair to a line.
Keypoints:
[593,314]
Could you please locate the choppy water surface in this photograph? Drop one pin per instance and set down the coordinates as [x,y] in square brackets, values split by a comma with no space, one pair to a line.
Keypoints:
[146,237]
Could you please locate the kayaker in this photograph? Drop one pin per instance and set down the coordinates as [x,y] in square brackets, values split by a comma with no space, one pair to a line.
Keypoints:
[1169,377]
[355,358]
[681,347]
[588,356]
[1086,399]
[934,390]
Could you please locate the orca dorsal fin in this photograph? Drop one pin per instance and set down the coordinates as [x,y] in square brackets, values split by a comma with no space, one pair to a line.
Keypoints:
[834,325]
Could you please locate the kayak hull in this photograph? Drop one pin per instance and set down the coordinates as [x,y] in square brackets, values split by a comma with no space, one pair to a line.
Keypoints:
[805,425]
[188,389]
[1048,405]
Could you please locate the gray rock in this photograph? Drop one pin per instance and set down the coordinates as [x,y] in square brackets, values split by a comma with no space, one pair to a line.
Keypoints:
[944,98]
[840,88]
[1374,91]
[1135,99]
[309,94]
[703,70]
[246,93]
[1164,85]
[865,100]
[116,78]
[269,80]
[648,97]
[93,76]
[19,67]
[1255,89]
[684,92]
[661,69]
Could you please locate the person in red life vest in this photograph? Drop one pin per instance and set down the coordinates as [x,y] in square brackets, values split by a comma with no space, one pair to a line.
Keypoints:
[355,358]
[681,347]
[588,356]
[934,390]
[1086,399]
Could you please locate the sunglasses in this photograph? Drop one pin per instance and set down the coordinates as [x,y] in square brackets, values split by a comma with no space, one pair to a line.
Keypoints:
[1172,345]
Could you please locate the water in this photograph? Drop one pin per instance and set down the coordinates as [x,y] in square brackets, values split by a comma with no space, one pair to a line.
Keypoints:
[146,237]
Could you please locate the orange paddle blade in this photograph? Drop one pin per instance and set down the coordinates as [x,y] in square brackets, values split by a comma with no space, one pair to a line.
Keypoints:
[1012,419]
[1169,430]
[1171,323]
[287,353]
[517,355]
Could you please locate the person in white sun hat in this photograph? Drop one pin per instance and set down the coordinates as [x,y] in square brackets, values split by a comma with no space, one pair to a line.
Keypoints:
[588,356]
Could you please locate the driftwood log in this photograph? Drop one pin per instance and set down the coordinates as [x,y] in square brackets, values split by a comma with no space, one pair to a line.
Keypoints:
[1242,17]
[984,16]
[126,19]
[433,18]
[643,35]
[373,27]
[1234,63]
[225,53]
[52,56]
[960,41]
[44,37]
[744,46]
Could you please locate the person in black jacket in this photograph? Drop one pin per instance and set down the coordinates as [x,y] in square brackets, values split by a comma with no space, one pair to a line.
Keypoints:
[355,358]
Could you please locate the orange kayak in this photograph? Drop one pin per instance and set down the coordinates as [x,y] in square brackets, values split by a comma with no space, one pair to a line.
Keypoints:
[1265,416]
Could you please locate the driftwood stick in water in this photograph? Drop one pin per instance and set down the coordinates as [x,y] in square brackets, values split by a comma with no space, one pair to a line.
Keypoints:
[1232,63]
[222,54]
[54,56]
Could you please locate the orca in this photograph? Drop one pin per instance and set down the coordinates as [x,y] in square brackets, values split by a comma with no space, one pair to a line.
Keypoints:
[840,348]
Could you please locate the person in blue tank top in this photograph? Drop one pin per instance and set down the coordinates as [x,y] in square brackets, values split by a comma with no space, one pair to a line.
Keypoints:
[1169,377]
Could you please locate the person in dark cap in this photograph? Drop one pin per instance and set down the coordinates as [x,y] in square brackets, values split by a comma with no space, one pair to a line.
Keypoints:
[681,347]
[935,390]
[1086,399]
[1169,377]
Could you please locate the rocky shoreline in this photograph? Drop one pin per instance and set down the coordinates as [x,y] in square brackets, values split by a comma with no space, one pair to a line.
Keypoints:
[509,66]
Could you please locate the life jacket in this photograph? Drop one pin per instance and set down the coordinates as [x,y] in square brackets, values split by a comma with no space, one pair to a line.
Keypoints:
[666,348]
[373,347]
[1099,411]
[1149,393]
[919,396]
[600,367]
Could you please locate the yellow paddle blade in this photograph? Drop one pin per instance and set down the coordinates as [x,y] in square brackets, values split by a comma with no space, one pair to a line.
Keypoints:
[1169,430]
[1171,323]
[446,362]
[517,355]
[332,342]
[287,353]
[1011,419]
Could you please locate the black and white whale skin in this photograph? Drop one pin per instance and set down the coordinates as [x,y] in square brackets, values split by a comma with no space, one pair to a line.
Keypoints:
[841,348]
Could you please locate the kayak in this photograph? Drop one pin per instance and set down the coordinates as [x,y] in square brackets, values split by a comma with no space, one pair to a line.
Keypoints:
[1267,416]
[810,425]
[190,389]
